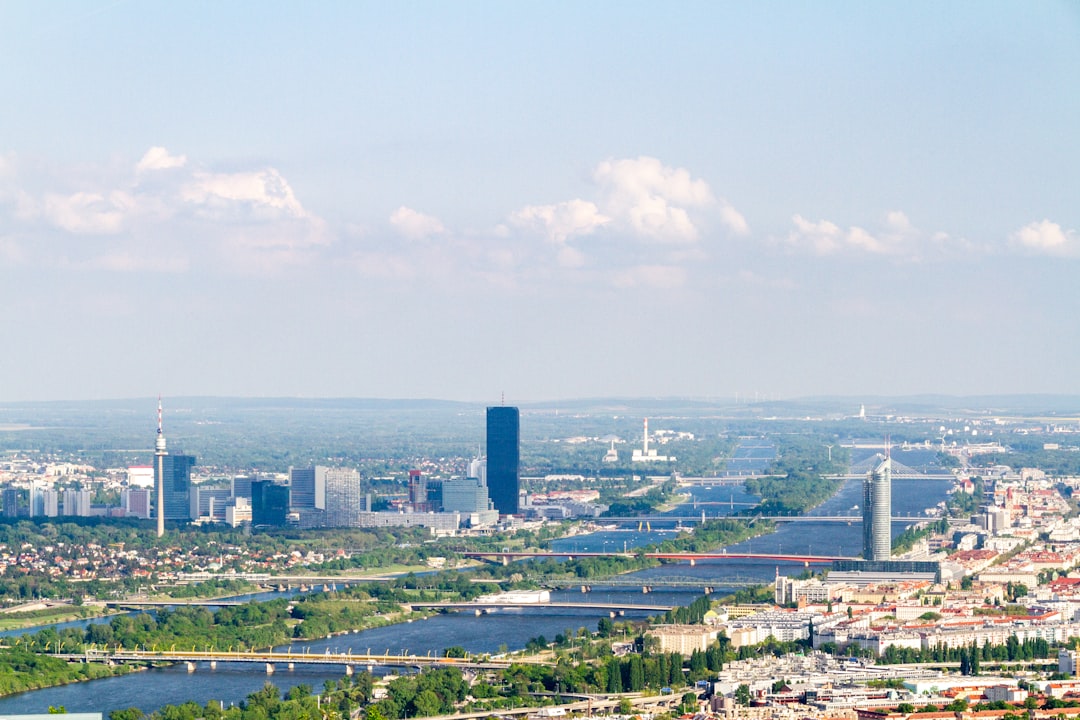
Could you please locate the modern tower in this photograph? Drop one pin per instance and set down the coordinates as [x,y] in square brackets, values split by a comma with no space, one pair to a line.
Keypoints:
[503,458]
[159,456]
[877,511]
[344,501]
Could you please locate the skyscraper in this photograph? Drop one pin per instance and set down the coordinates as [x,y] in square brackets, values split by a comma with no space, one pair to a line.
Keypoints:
[344,501]
[174,486]
[307,488]
[503,458]
[269,503]
[877,512]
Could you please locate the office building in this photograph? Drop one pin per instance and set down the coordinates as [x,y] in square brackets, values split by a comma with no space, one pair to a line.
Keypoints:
[344,501]
[174,485]
[140,476]
[269,503]
[503,459]
[238,512]
[241,486]
[209,503]
[136,502]
[877,512]
[418,494]
[307,488]
[464,495]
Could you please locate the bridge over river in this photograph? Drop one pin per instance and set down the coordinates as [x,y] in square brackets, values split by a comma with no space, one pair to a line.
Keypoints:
[507,556]
[288,659]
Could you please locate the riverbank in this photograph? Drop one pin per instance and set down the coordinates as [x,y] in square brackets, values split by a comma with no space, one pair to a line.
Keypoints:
[52,613]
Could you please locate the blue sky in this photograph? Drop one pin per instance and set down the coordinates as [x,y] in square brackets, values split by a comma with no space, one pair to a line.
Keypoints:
[551,200]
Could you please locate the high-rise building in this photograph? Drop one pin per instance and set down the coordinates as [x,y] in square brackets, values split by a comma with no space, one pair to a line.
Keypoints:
[269,503]
[51,501]
[77,502]
[418,492]
[37,500]
[136,502]
[877,512]
[14,503]
[307,488]
[241,486]
[465,495]
[344,501]
[174,486]
[503,458]
[209,503]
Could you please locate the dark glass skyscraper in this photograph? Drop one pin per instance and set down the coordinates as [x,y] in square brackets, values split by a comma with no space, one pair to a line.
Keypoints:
[177,474]
[269,503]
[503,458]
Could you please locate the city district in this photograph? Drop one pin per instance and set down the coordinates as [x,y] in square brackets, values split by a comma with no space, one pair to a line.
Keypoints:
[972,611]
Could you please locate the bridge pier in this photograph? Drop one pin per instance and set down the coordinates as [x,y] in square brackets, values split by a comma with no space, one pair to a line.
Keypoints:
[292,666]
[269,668]
[505,560]
[348,670]
[585,588]
[645,590]
[190,667]
[213,664]
[708,590]
[693,562]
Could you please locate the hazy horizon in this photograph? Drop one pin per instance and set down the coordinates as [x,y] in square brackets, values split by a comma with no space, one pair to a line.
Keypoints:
[547,200]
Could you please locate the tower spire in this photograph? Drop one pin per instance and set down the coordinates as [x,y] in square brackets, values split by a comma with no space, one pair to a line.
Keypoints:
[159,454]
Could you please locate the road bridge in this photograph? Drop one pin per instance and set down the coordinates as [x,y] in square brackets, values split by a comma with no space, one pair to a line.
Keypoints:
[290,659]
[692,519]
[141,604]
[483,608]
[506,556]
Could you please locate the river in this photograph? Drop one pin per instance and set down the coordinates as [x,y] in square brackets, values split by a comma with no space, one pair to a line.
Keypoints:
[151,689]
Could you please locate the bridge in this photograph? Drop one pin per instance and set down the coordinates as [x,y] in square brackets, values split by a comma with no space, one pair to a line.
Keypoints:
[691,519]
[289,659]
[506,556]
[483,608]
[142,604]
[726,480]
[706,585]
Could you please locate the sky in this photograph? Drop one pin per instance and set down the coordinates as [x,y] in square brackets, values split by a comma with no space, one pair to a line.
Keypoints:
[538,200]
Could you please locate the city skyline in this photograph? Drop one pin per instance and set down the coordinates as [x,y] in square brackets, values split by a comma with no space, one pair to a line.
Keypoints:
[552,200]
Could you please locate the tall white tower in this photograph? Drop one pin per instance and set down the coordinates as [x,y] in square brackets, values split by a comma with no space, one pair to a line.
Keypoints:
[159,453]
[645,441]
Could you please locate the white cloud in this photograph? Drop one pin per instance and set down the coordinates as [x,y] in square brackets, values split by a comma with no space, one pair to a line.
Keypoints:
[653,198]
[560,223]
[1047,238]
[662,207]
[88,213]
[158,158]
[246,221]
[415,225]
[897,237]
[659,277]
[263,192]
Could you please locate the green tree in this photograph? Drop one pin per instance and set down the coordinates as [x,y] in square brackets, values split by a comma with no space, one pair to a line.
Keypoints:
[742,694]
[427,703]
